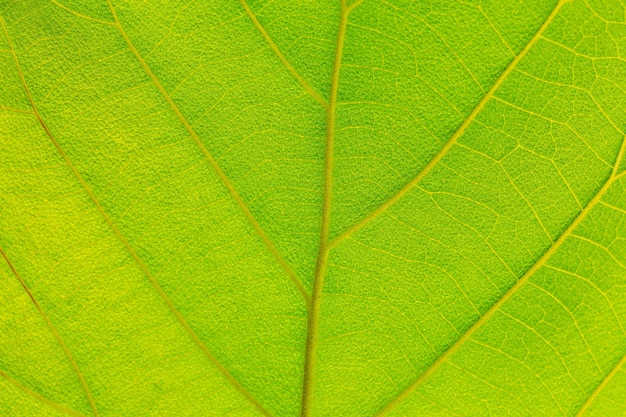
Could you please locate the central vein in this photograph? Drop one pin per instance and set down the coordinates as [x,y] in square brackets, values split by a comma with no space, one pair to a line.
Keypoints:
[322,257]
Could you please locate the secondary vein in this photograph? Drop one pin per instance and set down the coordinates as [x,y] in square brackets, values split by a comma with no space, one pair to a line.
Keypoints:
[459,132]
[307,87]
[220,173]
[55,334]
[605,381]
[38,396]
[80,15]
[53,330]
[170,304]
[530,272]
[322,257]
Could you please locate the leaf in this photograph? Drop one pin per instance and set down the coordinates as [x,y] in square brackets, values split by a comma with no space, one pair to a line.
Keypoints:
[316,208]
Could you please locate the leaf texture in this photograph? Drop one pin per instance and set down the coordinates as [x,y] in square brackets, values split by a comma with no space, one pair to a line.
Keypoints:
[313,207]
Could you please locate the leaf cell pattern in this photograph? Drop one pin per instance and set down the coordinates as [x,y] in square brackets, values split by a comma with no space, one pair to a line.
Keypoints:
[314,208]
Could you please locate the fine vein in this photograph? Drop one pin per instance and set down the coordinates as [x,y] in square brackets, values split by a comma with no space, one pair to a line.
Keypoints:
[530,272]
[38,396]
[322,257]
[309,89]
[80,15]
[459,132]
[170,304]
[220,173]
[55,334]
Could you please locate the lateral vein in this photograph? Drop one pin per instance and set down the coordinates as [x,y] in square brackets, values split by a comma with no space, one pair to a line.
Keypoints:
[38,396]
[80,15]
[55,334]
[459,132]
[53,330]
[220,173]
[520,282]
[170,304]
[309,89]
[14,110]
[605,381]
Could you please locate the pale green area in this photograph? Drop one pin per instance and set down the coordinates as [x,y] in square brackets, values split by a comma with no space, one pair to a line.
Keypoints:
[161,200]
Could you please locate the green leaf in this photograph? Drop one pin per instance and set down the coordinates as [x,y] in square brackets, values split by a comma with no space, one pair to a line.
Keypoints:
[315,208]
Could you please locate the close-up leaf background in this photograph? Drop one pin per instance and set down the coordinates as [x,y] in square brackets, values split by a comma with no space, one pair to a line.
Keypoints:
[312,208]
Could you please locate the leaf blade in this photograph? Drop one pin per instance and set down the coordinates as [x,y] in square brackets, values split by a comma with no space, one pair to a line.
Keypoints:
[194,151]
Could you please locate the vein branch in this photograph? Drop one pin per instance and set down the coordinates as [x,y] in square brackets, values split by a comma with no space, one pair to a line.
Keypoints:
[212,161]
[55,334]
[354,5]
[596,392]
[520,282]
[38,396]
[451,142]
[14,110]
[322,258]
[80,15]
[309,89]
[43,314]
[170,304]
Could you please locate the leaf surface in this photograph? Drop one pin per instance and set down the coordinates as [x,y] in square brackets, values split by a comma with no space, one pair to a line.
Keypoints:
[315,208]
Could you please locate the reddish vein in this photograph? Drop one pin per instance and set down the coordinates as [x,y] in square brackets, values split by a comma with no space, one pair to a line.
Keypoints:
[170,304]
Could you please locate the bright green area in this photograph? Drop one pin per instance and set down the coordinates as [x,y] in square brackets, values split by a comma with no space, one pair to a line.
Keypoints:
[165,185]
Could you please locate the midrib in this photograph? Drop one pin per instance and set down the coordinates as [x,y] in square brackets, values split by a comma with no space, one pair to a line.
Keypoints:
[324,247]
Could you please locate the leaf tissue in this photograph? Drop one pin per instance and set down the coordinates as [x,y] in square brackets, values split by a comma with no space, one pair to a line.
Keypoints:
[313,208]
